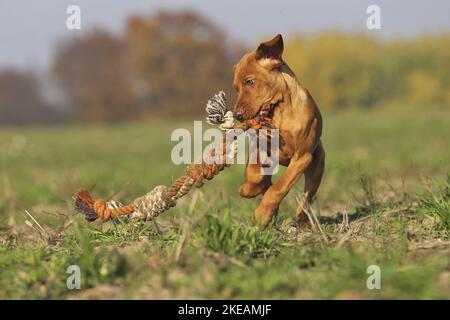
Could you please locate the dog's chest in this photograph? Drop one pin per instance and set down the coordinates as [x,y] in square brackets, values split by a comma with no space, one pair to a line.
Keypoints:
[286,147]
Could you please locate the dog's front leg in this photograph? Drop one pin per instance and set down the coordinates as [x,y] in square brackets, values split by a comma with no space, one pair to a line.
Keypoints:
[254,183]
[277,191]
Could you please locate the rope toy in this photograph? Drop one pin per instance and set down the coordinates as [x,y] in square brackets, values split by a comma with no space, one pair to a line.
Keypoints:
[162,198]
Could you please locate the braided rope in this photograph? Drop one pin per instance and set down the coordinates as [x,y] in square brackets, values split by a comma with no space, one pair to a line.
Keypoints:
[162,198]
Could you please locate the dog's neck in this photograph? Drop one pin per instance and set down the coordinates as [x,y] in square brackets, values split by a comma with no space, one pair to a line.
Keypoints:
[294,98]
[297,94]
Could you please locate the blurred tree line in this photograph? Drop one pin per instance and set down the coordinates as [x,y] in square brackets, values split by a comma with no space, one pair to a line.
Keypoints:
[22,103]
[170,63]
[357,70]
[165,64]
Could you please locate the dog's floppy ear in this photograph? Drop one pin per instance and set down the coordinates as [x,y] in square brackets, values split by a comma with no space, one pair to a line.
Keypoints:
[269,53]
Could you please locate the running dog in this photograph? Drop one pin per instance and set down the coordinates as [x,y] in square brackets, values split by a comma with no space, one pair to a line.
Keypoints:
[265,83]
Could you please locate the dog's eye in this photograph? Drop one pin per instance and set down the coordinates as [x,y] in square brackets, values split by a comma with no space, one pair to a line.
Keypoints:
[249,82]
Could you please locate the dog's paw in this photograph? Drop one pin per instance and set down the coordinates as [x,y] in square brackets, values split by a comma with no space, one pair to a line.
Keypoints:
[251,190]
[303,221]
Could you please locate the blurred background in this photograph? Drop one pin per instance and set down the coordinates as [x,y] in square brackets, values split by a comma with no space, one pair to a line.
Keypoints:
[95,108]
[135,59]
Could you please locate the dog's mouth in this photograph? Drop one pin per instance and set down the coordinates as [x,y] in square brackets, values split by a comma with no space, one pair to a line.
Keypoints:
[265,111]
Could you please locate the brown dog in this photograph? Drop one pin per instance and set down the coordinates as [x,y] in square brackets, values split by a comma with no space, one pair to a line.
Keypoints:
[264,82]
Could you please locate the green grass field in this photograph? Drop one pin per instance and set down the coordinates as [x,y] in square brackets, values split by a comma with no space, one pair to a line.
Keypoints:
[384,200]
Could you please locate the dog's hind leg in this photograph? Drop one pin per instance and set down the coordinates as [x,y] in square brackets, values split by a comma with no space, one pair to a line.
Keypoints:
[313,177]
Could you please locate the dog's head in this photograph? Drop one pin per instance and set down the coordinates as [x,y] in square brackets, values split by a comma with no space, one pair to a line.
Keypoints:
[258,80]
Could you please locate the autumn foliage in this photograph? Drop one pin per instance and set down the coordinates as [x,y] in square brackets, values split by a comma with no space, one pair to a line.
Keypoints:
[178,59]
[358,70]
[168,63]
[94,71]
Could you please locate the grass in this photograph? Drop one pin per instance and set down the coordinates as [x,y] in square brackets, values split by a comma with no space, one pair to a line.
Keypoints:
[437,205]
[384,201]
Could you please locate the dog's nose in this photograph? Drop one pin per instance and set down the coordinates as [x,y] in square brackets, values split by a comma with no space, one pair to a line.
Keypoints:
[238,115]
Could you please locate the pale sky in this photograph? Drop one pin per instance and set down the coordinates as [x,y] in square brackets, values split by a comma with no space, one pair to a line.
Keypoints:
[29,30]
